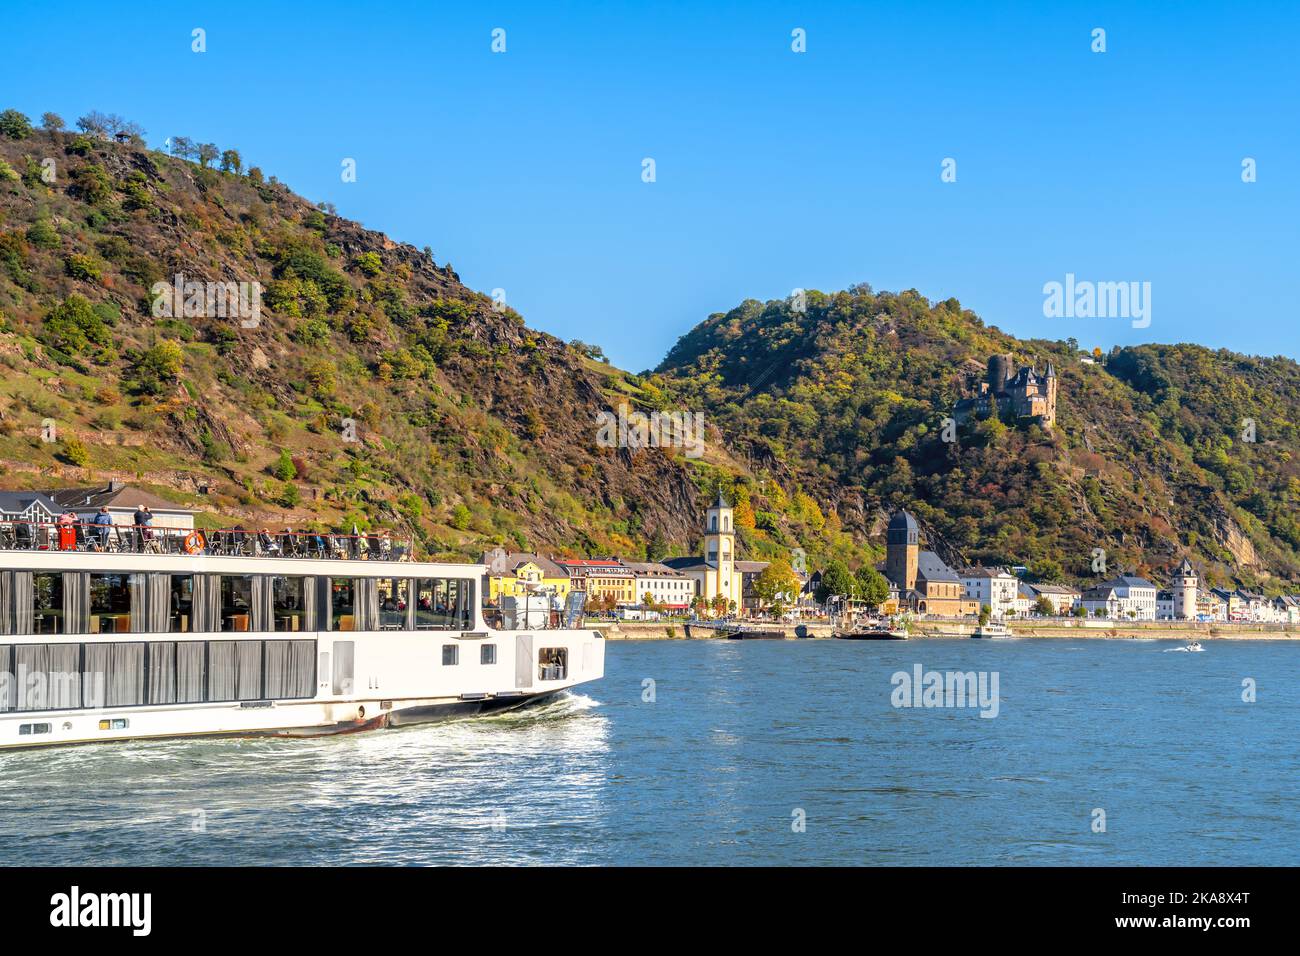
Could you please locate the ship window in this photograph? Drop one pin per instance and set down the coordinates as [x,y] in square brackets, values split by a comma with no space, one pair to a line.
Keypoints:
[444,604]
[342,604]
[52,676]
[236,602]
[290,669]
[393,602]
[26,730]
[487,654]
[288,603]
[114,675]
[235,670]
[180,617]
[450,655]
[110,604]
[553,663]
[47,604]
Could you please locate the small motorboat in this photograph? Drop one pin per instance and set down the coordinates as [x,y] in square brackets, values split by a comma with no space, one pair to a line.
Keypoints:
[992,630]
[1195,646]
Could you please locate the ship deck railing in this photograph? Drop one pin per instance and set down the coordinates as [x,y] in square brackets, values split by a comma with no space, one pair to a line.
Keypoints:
[228,542]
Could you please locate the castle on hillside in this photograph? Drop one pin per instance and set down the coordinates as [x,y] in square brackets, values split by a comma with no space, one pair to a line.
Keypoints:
[1026,394]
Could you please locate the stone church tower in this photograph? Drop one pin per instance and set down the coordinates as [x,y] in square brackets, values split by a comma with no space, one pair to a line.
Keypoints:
[902,548]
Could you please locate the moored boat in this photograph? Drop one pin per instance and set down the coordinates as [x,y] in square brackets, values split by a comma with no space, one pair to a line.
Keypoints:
[747,633]
[992,630]
[873,634]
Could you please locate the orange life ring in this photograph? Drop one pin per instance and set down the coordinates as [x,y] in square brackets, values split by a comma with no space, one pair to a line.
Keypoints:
[193,543]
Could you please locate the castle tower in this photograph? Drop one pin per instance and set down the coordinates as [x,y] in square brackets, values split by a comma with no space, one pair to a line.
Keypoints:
[902,548]
[999,372]
[720,550]
[1184,588]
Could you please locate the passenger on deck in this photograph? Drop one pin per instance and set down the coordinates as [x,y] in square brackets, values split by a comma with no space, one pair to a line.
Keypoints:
[267,543]
[142,519]
[102,521]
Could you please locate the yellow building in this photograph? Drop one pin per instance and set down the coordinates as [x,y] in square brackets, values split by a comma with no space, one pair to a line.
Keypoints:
[512,573]
[602,579]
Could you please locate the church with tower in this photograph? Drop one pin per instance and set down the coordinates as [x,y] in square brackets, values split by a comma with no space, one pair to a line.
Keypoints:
[717,572]
[923,583]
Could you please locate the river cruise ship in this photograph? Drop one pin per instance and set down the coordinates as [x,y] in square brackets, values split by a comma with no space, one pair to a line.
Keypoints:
[112,633]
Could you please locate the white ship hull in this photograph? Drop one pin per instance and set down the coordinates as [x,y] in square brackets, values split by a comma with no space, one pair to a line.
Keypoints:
[345,681]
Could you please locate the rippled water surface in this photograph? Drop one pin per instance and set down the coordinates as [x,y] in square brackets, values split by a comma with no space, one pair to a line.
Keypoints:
[740,737]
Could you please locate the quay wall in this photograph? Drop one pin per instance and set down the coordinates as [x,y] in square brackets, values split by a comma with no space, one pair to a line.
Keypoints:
[1162,630]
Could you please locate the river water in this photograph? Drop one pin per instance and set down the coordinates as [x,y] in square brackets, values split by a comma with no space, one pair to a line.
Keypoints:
[726,752]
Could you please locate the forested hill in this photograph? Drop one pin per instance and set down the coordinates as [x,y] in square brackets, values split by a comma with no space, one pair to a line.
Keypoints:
[471,429]
[1151,457]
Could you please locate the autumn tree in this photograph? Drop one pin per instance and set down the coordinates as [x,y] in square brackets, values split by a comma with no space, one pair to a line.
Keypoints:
[776,585]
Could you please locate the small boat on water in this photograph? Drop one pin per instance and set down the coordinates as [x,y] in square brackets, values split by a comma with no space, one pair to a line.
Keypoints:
[1195,646]
[992,630]
[733,631]
[874,629]
[744,633]
[873,634]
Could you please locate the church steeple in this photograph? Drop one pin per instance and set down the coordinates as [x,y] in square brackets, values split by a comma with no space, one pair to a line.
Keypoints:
[720,546]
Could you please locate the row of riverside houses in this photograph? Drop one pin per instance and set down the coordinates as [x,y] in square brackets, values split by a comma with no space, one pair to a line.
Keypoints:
[922,583]
[716,578]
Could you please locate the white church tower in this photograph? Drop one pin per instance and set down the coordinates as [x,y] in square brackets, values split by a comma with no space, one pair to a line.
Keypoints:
[1184,588]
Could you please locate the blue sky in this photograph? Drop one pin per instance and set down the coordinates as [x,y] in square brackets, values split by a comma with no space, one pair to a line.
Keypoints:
[775,170]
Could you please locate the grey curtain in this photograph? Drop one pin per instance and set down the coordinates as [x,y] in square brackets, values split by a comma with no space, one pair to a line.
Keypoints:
[150,603]
[139,585]
[365,595]
[263,604]
[162,672]
[122,668]
[190,659]
[207,603]
[48,676]
[234,670]
[24,622]
[309,604]
[76,602]
[290,669]
[6,604]
[8,682]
